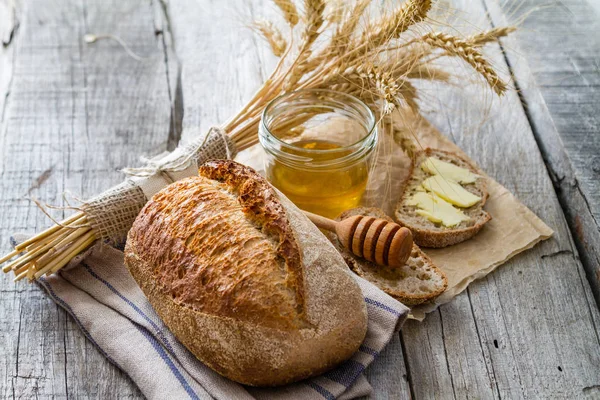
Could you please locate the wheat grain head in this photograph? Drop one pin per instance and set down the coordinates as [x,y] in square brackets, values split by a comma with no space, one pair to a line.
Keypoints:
[458,47]
[272,35]
[289,11]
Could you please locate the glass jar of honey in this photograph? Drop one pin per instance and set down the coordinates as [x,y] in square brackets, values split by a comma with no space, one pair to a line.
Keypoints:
[318,145]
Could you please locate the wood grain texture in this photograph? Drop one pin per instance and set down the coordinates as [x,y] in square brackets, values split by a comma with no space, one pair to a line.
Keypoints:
[76,114]
[8,28]
[558,74]
[222,62]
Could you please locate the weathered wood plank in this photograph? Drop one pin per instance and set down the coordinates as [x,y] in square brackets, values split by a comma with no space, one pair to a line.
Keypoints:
[8,27]
[76,114]
[534,314]
[558,74]
[388,374]
[222,63]
[445,356]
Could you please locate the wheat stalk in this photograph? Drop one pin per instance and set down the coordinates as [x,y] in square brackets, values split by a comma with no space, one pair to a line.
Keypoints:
[428,72]
[409,93]
[313,17]
[341,38]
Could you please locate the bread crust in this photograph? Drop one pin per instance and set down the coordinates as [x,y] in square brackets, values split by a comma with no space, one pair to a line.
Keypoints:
[294,312]
[365,268]
[426,237]
[262,206]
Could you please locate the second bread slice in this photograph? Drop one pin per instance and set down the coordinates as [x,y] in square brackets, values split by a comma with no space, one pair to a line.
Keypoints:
[414,283]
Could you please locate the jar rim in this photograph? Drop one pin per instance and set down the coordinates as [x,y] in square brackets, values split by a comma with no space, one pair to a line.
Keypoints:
[372,126]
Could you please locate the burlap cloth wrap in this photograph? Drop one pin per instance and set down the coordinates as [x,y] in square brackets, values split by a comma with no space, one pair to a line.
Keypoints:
[112,212]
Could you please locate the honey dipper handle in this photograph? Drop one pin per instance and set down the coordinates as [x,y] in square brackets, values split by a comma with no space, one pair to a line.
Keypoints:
[321,222]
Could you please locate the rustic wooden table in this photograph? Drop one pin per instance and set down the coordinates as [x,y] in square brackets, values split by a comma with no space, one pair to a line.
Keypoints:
[72,114]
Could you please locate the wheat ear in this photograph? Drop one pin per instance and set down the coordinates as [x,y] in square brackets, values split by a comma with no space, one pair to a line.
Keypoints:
[313,20]
[289,11]
[385,85]
[341,37]
[335,11]
[313,17]
[272,35]
[491,35]
[463,49]
[391,26]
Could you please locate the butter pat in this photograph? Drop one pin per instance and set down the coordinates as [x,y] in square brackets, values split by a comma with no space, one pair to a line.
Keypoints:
[450,191]
[432,217]
[436,209]
[435,166]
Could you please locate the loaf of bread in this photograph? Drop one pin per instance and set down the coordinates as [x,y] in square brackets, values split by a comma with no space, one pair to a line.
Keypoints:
[243,279]
[431,234]
[416,282]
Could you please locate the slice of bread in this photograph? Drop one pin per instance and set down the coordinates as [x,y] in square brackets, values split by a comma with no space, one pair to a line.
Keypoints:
[414,283]
[430,234]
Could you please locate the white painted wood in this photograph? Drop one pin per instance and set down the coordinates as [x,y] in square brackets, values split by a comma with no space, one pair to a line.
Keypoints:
[8,27]
[222,63]
[75,115]
[558,72]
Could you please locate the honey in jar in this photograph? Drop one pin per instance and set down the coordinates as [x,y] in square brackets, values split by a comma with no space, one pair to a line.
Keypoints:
[318,144]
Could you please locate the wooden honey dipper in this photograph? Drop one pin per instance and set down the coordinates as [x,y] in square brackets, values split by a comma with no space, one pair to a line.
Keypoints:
[375,239]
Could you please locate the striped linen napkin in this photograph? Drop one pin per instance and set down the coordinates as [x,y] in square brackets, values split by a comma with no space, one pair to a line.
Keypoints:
[111,310]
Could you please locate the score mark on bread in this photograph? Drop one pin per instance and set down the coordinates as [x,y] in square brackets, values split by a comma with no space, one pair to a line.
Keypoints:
[204,246]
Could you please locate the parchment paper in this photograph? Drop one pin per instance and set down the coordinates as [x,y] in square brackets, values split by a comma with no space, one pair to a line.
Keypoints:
[513,228]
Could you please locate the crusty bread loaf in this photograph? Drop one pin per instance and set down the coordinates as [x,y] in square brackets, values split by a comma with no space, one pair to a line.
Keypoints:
[430,234]
[243,279]
[419,280]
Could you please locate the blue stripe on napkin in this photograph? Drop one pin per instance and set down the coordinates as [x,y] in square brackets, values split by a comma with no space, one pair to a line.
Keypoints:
[368,350]
[345,373]
[163,354]
[382,306]
[321,390]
